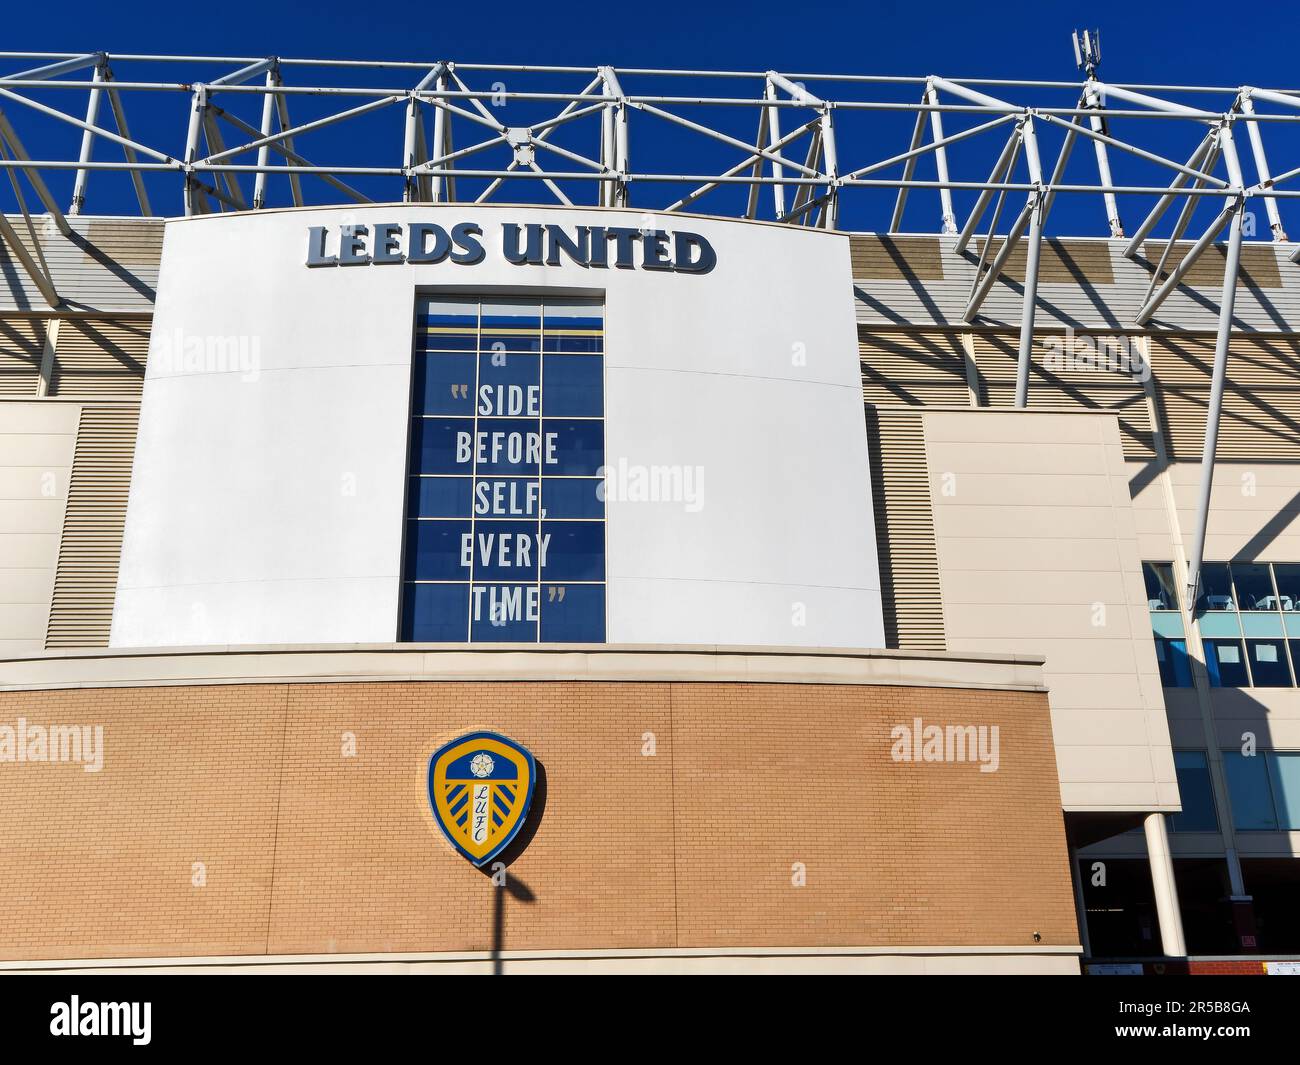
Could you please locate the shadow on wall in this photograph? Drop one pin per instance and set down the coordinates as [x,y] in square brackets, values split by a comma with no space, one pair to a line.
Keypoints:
[499,870]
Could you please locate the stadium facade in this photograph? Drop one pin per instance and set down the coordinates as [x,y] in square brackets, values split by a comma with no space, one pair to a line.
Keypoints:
[868,600]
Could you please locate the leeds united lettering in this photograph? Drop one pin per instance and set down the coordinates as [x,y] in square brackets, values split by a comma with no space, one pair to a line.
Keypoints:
[598,247]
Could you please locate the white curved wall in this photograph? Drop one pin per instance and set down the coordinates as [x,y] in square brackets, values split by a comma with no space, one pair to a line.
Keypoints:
[267,506]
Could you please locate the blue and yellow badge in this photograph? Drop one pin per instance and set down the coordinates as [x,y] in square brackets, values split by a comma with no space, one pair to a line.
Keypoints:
[480,787]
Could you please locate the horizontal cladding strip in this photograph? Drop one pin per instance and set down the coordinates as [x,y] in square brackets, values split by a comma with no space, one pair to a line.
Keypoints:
[517,662]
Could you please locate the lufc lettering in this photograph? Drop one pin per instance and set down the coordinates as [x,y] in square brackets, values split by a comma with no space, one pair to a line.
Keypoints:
[592,247]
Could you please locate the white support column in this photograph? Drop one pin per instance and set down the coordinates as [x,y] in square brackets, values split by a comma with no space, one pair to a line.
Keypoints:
[264,152]
[831,215]
[1261,167]
[1164,886]
[1227,304]
[87,143]
[1093,99]
[1032,249]
[949,221]
[198,105]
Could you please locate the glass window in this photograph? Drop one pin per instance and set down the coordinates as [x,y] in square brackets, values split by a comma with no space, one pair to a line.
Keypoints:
[1175,667]
[503,437]
[1268,664]
[575,551]
[1288,584]
[1216,587]
[1249,791]
[1226,664]
[1284,778]
[504,613]
[574,386]
[437,497]
[435,613]
[573,613]
[1254,586]
[1197,794]
[1161,592]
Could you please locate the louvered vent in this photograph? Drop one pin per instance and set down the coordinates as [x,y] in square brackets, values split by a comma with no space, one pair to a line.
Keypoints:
[1261,397]
[912,368]
[82,610]
[909,560]
[22,342]
[998,355]
[100,360]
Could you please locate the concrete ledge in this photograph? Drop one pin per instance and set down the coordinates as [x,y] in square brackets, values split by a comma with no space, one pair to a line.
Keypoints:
[1061,960]
[515,662]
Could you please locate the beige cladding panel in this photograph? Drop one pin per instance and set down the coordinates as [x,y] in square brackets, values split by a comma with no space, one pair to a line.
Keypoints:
[1038,552]
[37,444]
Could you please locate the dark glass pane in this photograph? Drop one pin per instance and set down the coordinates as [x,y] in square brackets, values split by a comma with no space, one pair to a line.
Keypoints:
[434,550]
[574,386]
[1161,593]
[441,445]
[437,497]
[435,613]
[444,384]
[1216,587]
[563,497]
[1268,665]
[1249,792]
[1225,662]
[504,613]
[1197,794]
[575,551]
[573,613]
[1175,668]
[508,386]
[1254,587]
[1288,584]
[573,448]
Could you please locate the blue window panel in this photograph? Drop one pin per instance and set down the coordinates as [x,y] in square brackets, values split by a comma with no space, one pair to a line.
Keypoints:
[1197,794]
[507,445]
[435,613]
[438,497]
[1225,661]
[518,369]
[578,616]
[574,343]
[1287,575]
[574,386]
[434,445]
[444,384]
[1168,624]
[505,551]
[579,447]
[575,551]
[1268,664]
[1284,777]
[511,327]
[508,343]
[1268,625]
[504,613]
[1161,592]
[1253,585]
[507,497]
[1249,791]
[1175,669]
[446,342]
[1220,624]
[1216,587]
[563,497]
[1292,624]
[433,550]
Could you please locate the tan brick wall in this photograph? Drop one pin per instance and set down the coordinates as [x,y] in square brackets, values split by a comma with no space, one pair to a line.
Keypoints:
[307,851]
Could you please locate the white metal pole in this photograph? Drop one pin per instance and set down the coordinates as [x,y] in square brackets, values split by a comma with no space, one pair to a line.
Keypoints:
[87,143]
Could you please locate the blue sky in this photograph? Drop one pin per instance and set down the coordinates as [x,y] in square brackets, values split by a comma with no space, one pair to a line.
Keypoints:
[1141,44]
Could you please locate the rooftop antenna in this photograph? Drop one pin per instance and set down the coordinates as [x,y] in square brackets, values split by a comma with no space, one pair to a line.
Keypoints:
[1087,51]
